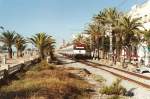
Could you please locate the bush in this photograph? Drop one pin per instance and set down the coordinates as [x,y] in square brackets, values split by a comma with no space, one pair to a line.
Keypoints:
[45,83]
[115,89]
[43,65]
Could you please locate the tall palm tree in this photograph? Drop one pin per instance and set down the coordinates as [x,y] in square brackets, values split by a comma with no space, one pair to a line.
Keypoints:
[50,48]
[95,31]
[112,17]
[41,41]
[78,39]
[147,37]
[8,38]
[105,17]
[117,31]
[99,19]
[131,32]
[20,44]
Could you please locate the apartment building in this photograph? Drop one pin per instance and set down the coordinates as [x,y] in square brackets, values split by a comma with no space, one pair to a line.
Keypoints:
[142,11]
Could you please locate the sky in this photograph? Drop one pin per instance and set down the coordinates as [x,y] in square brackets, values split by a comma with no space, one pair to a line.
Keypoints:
[59,18]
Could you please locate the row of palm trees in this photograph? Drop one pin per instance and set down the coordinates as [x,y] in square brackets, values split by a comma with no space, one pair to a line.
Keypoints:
[43,42]
[126,33]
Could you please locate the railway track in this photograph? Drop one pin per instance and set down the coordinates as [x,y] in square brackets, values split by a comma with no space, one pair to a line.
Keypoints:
[139,79]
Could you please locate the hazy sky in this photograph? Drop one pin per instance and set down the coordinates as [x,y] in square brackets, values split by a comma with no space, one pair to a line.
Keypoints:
[60,18]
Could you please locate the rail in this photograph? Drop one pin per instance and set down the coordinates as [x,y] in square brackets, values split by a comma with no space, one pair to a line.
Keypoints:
[96,65]
[125,71]
[108,69]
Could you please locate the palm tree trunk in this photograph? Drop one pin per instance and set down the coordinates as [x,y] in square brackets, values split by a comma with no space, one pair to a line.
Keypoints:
[10,52]
[42,54]
[130,51]
[98,49]
[51,55]
[103,53]
[21,54]
[94,47]
[118,49]
[18,53]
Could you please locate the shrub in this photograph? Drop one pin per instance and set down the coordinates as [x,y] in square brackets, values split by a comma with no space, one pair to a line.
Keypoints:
[115,89]
[46,84]
[43,65]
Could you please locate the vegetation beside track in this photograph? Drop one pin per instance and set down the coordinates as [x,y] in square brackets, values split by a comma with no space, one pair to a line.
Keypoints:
[46,81]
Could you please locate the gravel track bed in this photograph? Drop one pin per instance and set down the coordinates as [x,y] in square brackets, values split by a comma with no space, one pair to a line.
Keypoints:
[139,91]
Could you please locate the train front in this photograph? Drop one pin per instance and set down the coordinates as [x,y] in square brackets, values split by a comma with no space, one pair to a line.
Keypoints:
[79,51]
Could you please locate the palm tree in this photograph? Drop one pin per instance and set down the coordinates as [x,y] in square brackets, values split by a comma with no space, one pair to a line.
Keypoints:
[117,31]
[8,38]
[41,41]
[95,31]
[78,39]
[20,44]
[50,48]
[111,17]
[131,32]
[99,19]
[105,17]
[147,37]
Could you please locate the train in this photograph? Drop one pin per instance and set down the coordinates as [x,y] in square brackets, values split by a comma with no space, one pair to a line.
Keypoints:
[76,51]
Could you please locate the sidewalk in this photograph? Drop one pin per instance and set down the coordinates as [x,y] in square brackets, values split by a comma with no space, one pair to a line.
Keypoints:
[14,61]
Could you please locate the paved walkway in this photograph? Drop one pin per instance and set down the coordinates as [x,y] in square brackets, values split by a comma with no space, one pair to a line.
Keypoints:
[15,61]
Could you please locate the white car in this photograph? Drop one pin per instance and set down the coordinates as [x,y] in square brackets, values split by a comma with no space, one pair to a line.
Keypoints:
[143,69]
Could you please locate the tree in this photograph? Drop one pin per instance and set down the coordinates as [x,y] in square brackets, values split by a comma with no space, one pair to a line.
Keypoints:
[41,41]
[105,17]
[147,37]
[78,39]
[95,31]
[8,38]
[99,19]
[20,44]
[50,48]
[131,32]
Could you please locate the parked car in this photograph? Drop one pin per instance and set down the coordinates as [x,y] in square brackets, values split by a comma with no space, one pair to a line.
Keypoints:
[143,69]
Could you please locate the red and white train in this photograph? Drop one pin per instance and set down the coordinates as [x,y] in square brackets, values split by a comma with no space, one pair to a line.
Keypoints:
[77,51]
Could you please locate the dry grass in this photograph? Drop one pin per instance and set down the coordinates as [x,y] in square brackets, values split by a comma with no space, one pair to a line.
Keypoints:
[45,82]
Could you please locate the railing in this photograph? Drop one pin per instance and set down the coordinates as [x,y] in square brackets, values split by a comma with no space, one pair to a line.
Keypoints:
[13,69]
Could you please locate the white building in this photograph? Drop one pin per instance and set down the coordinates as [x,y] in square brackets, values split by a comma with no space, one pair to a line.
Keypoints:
[142,11]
